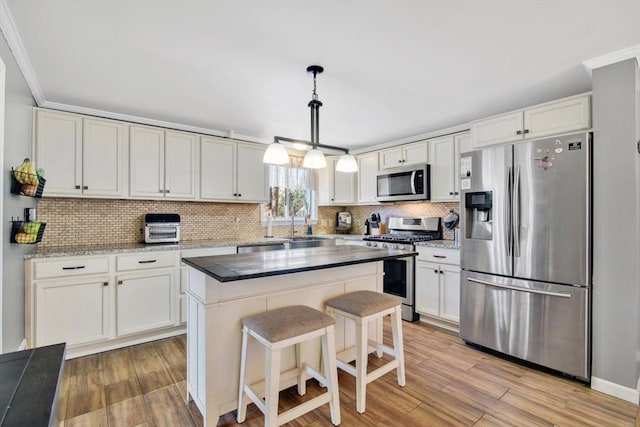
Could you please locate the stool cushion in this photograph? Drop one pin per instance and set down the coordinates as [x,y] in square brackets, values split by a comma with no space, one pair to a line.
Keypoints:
[363,303]
[287,322]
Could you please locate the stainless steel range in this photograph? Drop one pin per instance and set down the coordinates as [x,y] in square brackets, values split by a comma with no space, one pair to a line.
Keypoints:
[399,274]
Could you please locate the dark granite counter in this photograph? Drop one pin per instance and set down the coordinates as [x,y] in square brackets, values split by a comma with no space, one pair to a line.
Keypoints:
[29,385]
[228,268]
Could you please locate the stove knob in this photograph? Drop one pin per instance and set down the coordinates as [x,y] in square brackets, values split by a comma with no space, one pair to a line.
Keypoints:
[368,243]
[398,247]
[375,245]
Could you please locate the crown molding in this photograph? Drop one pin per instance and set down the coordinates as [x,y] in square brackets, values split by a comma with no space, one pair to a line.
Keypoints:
[151,122]
[613,57]
[14,41]
[414,138]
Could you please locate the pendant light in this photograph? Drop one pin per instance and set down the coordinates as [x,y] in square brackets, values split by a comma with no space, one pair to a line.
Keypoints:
[276,154]
[314,158]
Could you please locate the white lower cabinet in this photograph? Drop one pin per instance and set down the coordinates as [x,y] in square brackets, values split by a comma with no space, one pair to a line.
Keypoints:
[438,286]
[98,303]
[75,311]
[146,301]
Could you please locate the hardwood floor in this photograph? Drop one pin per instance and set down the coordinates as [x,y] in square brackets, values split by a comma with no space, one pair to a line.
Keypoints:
[448,383]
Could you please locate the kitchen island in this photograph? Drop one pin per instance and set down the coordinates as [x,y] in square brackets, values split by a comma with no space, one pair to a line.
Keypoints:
[222,290]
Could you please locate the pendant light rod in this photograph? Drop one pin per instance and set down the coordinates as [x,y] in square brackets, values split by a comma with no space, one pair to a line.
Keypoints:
[315,105]
[310,144]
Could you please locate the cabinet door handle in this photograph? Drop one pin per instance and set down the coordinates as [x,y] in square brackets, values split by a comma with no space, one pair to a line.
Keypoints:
[435,271]
[77,267]
[399,161]
[239,194]
[456,193]
[441,272]
[77,187]
[518,132]
[120,282]
[105,283]
[85,187]
[526,131]
[451,193]
[439,256]
[147,261]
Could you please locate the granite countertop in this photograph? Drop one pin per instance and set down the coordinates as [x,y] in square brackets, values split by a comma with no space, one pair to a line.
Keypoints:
[442,244]
[228,268]
[116,248]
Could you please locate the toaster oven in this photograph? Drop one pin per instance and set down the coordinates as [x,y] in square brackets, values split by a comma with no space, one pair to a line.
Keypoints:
[161,228]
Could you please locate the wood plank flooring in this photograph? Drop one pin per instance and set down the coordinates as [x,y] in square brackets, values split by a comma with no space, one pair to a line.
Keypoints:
[448,383]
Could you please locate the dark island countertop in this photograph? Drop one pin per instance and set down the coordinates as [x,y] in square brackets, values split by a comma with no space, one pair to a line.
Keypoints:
[228,268]
[29,386]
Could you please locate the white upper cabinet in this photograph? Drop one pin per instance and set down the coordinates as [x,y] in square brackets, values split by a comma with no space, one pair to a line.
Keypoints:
[103,145]
[181,165]
[232,171]
[251,178]
[367,177]
[442,154]
[217,169]
[404,155]
[163,164]
[336,188]
[80,156]
[444,158]
[551,118]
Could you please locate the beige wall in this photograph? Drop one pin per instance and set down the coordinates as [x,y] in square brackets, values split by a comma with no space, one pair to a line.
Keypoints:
[99,221]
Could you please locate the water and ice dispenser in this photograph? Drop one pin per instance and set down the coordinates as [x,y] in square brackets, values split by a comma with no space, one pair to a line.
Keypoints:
[478,215]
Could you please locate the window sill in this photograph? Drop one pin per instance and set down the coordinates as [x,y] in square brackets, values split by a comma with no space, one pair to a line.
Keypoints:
[288,222]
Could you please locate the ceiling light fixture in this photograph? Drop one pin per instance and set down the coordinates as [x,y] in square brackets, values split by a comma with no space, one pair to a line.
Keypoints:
[314,158]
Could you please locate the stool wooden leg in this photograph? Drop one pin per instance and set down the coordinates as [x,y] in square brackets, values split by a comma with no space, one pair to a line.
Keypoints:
[398,346]
[331,373]
[361,364]
[242,406]
[302,383]
[272,387]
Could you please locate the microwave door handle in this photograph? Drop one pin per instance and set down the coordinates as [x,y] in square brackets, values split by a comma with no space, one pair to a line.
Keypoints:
[413,182]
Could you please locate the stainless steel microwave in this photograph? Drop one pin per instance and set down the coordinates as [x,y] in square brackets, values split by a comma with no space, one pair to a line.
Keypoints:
[404,183]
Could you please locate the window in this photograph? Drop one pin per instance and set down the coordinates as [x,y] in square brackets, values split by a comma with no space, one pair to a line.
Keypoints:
[292,191]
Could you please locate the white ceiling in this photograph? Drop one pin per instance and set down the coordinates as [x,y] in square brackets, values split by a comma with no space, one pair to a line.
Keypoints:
[393,69]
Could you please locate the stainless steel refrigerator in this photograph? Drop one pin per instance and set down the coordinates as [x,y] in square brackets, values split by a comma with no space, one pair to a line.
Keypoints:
[526,251]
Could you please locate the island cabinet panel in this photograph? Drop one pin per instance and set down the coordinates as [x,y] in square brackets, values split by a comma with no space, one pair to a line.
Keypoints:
[214,327]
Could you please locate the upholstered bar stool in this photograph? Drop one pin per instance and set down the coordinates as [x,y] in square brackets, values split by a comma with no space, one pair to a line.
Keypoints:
[363,307]
[278,329]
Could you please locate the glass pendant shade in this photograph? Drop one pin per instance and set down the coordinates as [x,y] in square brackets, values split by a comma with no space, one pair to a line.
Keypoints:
[314,159]
[276,154]
[347,163]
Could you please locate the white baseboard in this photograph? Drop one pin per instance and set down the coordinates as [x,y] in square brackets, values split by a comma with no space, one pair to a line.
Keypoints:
[615,390]
[23,345]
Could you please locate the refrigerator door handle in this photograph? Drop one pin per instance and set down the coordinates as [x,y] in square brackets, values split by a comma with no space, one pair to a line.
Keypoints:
[513,288]
[515,221]
[507,211]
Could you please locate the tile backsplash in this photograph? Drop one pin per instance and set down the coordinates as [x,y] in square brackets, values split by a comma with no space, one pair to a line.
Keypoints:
[106,221]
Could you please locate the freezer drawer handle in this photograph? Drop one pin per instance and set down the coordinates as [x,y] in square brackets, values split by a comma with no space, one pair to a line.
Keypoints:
[439,256]
[513,288]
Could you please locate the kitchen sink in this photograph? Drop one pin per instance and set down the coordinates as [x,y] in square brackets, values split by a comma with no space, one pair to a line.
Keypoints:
[298,242]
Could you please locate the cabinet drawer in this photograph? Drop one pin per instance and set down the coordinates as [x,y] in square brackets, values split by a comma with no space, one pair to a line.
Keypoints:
[441,256]
[143,261]
[70,267]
